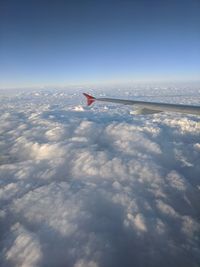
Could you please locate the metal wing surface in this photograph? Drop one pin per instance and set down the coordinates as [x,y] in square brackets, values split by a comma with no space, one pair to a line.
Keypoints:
[145,107]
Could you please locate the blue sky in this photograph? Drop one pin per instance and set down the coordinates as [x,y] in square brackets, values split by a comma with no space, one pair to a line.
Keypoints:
[63,42]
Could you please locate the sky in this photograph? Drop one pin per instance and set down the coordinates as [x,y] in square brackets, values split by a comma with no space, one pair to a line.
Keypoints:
[79,42]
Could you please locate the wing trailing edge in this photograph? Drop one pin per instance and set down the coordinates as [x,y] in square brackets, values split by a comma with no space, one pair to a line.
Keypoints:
[149,107]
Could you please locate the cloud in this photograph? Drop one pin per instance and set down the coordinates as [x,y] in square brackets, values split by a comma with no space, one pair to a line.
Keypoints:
[96,187]
[24,247]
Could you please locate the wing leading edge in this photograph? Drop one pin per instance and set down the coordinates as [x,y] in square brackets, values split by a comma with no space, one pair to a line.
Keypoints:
[149,107]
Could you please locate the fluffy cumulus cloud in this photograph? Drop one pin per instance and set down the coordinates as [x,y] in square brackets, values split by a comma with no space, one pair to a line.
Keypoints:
[92,187]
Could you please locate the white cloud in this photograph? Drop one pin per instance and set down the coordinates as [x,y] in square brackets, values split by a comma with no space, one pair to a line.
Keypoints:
[137,221]
[83,263]
[25,248]
[97,187]
[176,181]
[166,209]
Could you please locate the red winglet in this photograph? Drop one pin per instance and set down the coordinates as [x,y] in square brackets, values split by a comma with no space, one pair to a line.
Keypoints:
[90,99]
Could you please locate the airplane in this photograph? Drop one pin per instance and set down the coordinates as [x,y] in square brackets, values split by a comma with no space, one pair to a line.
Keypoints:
[145,107]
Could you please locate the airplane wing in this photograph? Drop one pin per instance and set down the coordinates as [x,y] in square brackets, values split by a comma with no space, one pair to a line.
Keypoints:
[148,107]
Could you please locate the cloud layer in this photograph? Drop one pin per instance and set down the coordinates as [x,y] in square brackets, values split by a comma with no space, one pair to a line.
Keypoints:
[97,187]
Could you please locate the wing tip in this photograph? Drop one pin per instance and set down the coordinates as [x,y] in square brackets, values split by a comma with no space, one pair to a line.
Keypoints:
[90,99]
